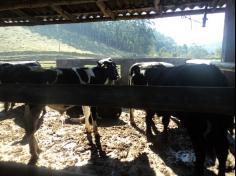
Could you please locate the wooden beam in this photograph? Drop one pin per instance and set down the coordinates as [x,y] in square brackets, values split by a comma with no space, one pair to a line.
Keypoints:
[24,15]
[20,4]
[157,4]
[118,4]
[105,10]
[63,13]
[148,16]
[188,99]
[228,48]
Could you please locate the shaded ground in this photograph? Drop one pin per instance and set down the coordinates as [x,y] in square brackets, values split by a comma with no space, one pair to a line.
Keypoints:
[65,147]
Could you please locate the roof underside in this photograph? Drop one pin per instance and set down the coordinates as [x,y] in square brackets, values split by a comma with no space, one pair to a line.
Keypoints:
[40,12]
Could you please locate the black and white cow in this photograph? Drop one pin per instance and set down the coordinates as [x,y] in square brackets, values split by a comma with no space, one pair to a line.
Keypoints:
[137,77]
[207,131]
[104,73]
[6,69]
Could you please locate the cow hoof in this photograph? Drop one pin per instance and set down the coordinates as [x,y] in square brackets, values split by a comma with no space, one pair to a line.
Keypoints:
[33,160]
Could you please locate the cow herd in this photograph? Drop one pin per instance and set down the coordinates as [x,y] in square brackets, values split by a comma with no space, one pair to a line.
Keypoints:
[208,132]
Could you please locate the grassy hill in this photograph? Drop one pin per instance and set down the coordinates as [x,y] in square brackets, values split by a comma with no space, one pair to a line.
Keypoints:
[19,39]
[23,43]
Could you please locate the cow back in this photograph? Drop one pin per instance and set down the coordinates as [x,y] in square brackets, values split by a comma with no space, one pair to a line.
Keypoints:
[68,76]
[188,75]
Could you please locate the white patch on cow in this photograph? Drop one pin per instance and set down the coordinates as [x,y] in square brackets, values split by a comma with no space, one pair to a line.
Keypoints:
[109,59]
[107,82]
[144,65]
[90,74]
[142,72]
[130,80]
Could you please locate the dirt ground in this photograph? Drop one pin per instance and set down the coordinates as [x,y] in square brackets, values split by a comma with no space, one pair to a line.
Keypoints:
[65,147]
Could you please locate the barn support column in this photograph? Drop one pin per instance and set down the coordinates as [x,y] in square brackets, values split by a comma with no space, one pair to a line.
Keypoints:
[228,50]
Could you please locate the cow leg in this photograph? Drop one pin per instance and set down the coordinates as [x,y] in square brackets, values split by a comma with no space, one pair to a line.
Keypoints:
[40,122]
[132,122]
[32,114]
[6,106]
[165,122]
[87,114]
[222,147]
[199,149]
[94,120]
[149,116]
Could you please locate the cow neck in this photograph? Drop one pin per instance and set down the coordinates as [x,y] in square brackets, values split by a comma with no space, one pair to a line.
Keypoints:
[100,76]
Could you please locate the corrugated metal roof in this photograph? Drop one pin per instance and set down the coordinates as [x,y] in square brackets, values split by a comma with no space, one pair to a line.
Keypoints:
[40,12]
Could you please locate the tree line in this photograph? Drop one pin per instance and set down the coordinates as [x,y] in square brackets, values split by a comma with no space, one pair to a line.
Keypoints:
[136,36]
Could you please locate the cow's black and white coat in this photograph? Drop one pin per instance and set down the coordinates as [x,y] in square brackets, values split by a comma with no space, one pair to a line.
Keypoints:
[137,77]
[6,72]
[207,131]
[104,73]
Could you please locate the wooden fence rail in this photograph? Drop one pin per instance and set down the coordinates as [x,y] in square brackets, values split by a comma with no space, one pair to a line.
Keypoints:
[189,99]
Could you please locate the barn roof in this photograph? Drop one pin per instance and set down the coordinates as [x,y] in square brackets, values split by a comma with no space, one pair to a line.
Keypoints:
[39,12]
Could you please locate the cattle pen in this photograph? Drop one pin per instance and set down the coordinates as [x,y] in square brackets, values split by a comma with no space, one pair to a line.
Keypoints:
[218,100]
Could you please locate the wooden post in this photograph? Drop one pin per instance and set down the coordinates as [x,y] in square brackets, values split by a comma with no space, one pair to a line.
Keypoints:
[228,50]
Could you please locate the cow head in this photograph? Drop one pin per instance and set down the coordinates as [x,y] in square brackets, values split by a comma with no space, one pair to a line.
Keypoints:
[110,68]
[135,70]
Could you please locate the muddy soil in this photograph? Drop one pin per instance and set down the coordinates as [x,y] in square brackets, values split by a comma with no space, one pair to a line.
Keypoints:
[126,150]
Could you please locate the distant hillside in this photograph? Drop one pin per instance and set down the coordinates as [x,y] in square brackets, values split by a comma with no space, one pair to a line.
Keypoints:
[25,42]
[85,37]
[17,39]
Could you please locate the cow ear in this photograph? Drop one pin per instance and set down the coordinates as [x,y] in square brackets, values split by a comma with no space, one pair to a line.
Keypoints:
[100,64]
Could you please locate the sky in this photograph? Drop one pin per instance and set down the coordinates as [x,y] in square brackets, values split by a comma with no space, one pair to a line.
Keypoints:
[186,31]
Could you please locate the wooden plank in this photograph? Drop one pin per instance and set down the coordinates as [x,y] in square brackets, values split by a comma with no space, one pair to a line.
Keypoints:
[229,33]
[190,99]
[20,4]
[101,19]
[24,15]
[63,13]
[105,10]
